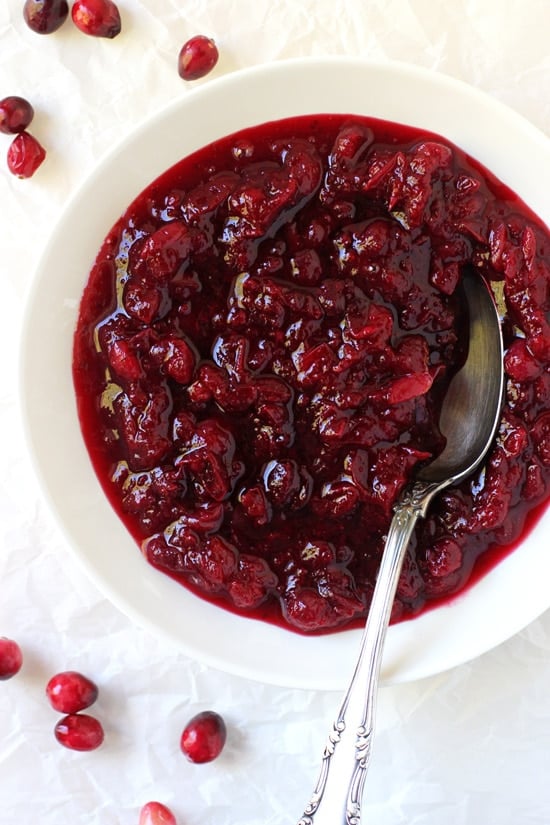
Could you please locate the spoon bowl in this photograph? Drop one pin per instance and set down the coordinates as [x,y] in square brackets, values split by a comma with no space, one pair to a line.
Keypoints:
[471,411]
[469,419]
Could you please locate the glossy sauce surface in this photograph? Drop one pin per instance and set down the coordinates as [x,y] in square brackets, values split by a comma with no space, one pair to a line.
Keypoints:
[261,354]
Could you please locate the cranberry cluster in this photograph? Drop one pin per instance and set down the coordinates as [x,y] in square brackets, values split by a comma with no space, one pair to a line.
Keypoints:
[97,18]
[25,153]
[70,692]
[263,348]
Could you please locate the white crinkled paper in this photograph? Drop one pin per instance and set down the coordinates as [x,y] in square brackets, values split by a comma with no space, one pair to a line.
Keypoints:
[466,747]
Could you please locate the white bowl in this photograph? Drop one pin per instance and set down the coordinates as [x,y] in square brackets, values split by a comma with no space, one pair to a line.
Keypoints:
[502,603]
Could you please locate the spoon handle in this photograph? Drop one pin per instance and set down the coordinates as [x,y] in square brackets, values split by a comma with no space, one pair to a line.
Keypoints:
[338,793]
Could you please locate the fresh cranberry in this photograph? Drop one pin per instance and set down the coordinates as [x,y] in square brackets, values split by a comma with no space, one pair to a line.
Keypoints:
[155,813]
[203,737]
[98,18]
[45,16]
[16,114]
[197,57]
[70,692]
[79,732]
[25,155]
[11,658]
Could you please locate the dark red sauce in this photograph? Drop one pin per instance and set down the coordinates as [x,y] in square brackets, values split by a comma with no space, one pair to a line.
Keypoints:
[261,353]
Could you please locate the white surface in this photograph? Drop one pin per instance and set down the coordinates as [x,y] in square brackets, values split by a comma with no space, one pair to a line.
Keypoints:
[392,91]
[467,747]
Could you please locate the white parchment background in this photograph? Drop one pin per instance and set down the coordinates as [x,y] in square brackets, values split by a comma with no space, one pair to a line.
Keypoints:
[470,747]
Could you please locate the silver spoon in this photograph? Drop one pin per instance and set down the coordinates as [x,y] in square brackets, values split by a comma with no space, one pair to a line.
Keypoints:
[469,419]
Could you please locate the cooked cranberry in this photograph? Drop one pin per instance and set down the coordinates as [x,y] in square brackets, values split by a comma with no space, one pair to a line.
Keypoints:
[520,363]
[255,504]
[443,558]
[45,16]
[79,732]
[144,423]
[534,486]
[203,737]
[16,114]
[98,18]
[142,301]
[165,251]
[215,566]
[306,267]
[155,813]
[176,357]
[25,155]
[70,692]
[205,519]
[197,57]
[306,609]
[252,582]
[124,360]
[542,434]
[11,658]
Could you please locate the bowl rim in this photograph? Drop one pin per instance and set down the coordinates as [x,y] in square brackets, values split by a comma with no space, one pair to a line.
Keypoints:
[403,660]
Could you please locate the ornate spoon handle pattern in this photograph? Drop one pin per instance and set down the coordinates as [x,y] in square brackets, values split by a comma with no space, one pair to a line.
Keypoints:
[352,731]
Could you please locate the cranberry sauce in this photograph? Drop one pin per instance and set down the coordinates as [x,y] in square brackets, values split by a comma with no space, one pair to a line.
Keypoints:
[262,350]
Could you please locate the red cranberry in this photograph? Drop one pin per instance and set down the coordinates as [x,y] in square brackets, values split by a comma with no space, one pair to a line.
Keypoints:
[124,360]
[155,813]
[45,16]
[197,57]
[520,363]
[25,155]
[443,558]
[203,737]
[70,692]
[11,658]
[252,582]
[143,421]
[177,358]
[166,250]
[306,609]
[79,732]
[141,301]
[16,114]
[98,18]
